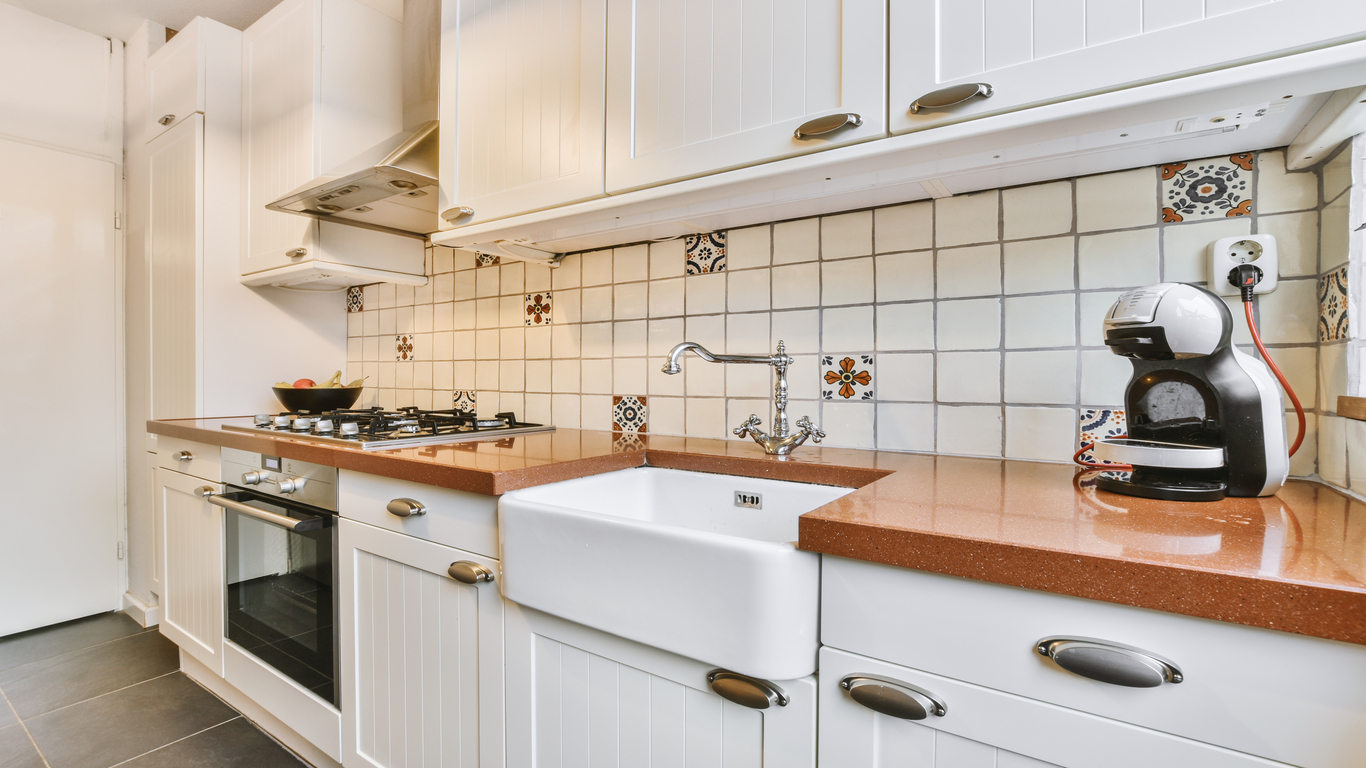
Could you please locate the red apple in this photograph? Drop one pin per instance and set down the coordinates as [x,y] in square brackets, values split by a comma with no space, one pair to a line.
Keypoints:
[304,384]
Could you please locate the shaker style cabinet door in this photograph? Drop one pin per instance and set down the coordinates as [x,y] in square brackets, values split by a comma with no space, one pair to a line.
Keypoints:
[521,104]
[580,697]
[1029,53]
[421,654]
[192,574]
[696,87]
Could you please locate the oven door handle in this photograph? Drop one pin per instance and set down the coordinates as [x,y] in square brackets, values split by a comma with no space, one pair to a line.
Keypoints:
[288,523]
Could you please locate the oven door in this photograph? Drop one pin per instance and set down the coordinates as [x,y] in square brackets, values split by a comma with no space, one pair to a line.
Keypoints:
[281,573]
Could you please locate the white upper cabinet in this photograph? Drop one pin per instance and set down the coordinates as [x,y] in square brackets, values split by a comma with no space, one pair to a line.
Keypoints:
[175,79]
[1035,52]
[695,86]
[521,104]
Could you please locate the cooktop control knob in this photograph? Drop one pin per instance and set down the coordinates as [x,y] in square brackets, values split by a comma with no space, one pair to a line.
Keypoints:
[302,424]
[291,484]
[254,478]
[350,428]
[281,422]
[262,419]
[324,426]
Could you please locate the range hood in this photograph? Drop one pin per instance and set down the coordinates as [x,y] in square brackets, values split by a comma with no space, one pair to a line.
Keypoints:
[390,187]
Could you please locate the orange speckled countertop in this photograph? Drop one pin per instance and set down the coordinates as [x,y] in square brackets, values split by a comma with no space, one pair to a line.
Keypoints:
[1294,562]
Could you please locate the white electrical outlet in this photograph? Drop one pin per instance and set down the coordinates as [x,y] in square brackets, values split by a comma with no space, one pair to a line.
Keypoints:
[1226,253]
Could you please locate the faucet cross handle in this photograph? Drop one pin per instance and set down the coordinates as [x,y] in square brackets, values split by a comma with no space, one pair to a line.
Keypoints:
[805,425]
[748,427]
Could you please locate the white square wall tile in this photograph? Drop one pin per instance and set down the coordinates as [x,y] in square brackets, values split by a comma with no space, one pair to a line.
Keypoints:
[1333,450]
[703,379]
[904,276]
[538,341]
[968,377]
[1337,174]
[1094,308]
[629,338]
[1041,377]
[597,267]
[705,417]
[660,383]
[747,334]
[565,340]
[748,290]
[749,381]
[847,329]
[665,415]
[564,376]
[1038,210]
[596,412]
[564,410]
[707,330]
[1334,234]
[1297,241]
[486,282]
[848,425]
[1185,247]
[596,304]
[747,248]
[631,301]
[1278,190]
[849,281]
[905,427]
[629,375]
[968,324]
[796,285]
[667,259]
[974,271]
[803,378]
[905,377]
[666,297]
[512,278]
[1104,378]
[664,334]
[630,264]
[1356,453]
[1118,259]
[737,410]
[1300,366]
[970,430]
[1041,321]
[847,235]
[1287,315]
[1332,375]
[800,329]
[904,227]
[706,294]
[596,377]
[1041,434]
[795,241]
[1117,200]
[967,219]
[540,376]
[597,339]
[537,278]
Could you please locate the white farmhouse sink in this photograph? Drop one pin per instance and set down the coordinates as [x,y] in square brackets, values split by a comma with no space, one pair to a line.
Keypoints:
[666,558]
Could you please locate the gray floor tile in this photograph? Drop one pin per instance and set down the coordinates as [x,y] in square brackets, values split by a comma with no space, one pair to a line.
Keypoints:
[43,686]
[16,751]
[37,644]
[234,744]
[127,723]
[6,714]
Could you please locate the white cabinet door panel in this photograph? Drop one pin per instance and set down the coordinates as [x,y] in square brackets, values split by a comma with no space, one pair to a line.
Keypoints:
[579,697]
[983,728]
[175,81]
[422,655]
[192,580]
[175,252]
[695,87]
[522,125]
[1047,50]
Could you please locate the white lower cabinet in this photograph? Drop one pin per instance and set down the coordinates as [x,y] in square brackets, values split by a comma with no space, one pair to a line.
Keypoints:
[580,697]
[192,567]
[421,654]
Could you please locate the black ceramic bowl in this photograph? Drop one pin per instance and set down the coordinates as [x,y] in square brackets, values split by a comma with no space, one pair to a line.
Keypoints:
[317,400]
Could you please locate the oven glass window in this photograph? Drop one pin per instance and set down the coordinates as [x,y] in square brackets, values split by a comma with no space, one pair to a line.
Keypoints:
[280,600]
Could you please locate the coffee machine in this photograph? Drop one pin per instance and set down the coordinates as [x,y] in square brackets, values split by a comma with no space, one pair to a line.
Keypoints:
[1205,419]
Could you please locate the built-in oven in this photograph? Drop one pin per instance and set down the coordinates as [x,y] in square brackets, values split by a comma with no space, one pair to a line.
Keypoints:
[280,526]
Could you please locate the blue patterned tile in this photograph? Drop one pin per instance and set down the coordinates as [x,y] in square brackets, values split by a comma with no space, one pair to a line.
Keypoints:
[1099,424]
[1333,306]
[705,253]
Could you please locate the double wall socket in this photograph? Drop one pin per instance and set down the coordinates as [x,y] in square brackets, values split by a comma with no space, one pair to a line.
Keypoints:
[1226,253]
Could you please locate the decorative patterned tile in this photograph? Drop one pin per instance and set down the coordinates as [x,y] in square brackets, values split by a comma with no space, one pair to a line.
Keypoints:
[628,413]
[403,348]
[705,253]
[538,308]
[486,260]
[1216,187]
[1333,305]
[1097,424]
[463,401]
[629,442]
[847,377]
[355,299]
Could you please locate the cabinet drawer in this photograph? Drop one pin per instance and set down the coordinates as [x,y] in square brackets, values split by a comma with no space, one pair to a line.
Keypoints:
[985,727]
[1286,697]
[460,519]
[202,462]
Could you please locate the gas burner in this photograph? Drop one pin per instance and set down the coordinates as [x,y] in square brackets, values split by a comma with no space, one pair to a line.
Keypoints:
[490,423]
[378,429]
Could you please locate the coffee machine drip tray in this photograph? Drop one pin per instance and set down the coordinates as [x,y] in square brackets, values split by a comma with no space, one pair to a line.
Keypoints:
[1151,453]
[1171,471]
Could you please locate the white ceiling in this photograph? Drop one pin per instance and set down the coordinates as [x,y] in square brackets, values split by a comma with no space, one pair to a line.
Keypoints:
[118,19]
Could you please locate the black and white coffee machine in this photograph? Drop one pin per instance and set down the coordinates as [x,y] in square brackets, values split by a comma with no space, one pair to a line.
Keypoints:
[1205,419]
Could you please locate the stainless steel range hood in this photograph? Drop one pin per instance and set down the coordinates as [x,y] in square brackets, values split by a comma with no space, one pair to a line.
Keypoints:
[390,187]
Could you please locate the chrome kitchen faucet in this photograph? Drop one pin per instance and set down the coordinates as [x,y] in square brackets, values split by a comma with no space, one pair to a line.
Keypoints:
[782,441]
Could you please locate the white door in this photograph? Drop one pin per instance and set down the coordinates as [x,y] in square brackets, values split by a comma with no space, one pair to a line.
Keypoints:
[696,87]
[580,697]
[192,577]
[175,255]
[61,345]
[422,654]
[981,727]
[522,104]
[1035,52]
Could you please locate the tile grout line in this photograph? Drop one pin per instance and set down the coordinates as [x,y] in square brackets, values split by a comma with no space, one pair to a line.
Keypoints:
[140,632]
[177,741]
[102,695]
[24,725]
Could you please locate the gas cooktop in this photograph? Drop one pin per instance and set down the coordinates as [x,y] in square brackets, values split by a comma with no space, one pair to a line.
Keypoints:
[376,429]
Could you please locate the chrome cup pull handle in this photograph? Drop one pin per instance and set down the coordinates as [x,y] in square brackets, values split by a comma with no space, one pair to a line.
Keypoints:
[406,508]
[469,572]
[893,697]
[182,456]
[166,119]
[457,213]
[1107,662]
[951,96]
[745,690]
[827,124]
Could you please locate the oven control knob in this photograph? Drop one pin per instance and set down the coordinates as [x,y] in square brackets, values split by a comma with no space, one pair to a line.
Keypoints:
[291,484]
[254,478]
